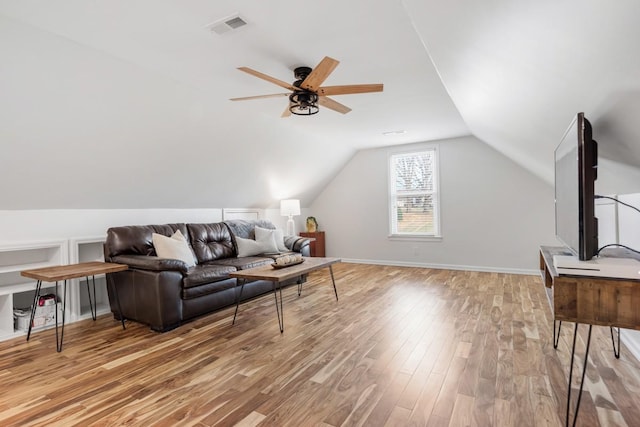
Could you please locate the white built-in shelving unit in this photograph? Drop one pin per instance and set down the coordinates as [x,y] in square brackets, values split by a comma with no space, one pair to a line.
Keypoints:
[17,291]
[86,249]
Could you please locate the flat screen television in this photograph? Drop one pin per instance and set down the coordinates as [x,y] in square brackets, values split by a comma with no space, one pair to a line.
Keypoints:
[576,166]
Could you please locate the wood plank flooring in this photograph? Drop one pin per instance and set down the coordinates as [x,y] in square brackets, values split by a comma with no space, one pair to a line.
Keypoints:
[402,347]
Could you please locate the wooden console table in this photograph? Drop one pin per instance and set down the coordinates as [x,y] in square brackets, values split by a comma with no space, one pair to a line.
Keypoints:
[591,300]
[67,272]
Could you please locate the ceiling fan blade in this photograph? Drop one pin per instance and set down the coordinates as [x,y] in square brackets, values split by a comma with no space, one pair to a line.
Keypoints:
[273,95]
[268,78]
[286,112]
[319,74]
[348,89]
[333,105]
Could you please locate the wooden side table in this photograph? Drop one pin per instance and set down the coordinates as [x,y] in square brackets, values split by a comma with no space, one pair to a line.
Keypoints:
[67,272]
[316,246]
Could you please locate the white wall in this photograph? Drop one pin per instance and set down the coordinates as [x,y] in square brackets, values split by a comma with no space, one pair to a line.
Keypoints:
[495,214]
[629,235]
[33,225]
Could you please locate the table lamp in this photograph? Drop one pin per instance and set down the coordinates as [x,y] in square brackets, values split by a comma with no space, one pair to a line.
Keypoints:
[290,208]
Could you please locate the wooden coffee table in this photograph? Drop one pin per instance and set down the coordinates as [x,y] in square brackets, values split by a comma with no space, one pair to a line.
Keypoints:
[278,275]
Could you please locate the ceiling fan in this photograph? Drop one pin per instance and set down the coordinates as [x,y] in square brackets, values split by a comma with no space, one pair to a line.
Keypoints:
[307,92]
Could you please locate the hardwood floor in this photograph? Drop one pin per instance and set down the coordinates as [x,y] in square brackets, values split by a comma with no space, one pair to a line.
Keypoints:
[402,347]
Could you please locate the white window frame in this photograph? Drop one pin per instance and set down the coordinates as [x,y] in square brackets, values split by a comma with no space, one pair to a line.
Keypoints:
[393,233]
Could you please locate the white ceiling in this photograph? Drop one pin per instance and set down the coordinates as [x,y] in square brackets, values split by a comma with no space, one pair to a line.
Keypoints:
[124,104]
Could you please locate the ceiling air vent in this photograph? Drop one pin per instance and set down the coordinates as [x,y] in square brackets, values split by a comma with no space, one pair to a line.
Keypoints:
[227,24]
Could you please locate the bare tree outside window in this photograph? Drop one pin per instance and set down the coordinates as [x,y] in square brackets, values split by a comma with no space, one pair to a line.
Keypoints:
[413,195]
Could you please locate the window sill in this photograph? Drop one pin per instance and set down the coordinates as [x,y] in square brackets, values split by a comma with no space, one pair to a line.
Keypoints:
[414,238]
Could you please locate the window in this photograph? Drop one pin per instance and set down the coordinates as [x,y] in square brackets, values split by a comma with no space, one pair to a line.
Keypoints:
[413,194]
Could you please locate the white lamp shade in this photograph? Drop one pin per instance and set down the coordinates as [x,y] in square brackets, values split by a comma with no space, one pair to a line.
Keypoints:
[290,207]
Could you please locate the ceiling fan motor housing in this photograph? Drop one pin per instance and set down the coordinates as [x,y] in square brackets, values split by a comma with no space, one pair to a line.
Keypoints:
[303,101]
[301,73]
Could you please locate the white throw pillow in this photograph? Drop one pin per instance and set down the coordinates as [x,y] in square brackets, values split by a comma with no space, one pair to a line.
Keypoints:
[179,236]
[174,247]
[248,247]
[278,237]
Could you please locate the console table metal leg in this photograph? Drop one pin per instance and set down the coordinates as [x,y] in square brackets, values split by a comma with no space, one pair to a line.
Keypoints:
[556,336]
[94,310]
[616,350]
[64,309]
[33,307]
[584,370]
[333,280]
[300,286]
[279,311]
[238,298]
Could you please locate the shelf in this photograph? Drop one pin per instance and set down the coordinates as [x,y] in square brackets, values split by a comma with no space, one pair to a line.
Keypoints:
[17,291]
[23,287]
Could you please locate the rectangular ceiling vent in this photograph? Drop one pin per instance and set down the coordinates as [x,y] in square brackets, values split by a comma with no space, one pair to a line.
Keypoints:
[227,24]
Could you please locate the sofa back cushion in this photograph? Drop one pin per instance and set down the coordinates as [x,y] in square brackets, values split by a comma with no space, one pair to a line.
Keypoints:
[211,241]
[245,227]
[137,239]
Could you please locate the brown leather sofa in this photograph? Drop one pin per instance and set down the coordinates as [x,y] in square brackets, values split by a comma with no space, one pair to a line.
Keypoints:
[163,293]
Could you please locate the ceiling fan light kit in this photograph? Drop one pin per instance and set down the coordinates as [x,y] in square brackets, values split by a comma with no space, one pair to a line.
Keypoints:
[306,91]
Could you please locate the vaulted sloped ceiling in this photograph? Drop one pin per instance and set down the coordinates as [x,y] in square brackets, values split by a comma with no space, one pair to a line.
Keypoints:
[125,104]
[518,72]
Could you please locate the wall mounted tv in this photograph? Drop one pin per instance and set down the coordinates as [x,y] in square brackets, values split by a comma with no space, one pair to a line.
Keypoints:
[576,162]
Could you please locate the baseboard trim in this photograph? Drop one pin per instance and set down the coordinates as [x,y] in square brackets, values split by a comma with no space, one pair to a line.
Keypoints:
[443,266]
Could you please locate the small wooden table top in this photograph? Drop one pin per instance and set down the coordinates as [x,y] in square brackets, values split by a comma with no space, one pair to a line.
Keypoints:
[72,271]
[267,272]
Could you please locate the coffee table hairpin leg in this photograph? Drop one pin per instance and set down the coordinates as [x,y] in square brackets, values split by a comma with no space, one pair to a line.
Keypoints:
[238,298]
[333,281]
[279,311]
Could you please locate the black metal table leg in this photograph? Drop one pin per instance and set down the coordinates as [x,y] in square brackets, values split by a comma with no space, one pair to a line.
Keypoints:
[616,351]
[238,298]
[33,307]
[64,309]
[279,311]
[94,310]
[334,282]
[556,336]
[584,370]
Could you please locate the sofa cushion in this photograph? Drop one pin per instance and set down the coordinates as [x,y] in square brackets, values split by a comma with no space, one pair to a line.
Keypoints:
[218,287]
[211,241]
[246,228]
[174,247]
[137,239]
[206,273]
[244,262]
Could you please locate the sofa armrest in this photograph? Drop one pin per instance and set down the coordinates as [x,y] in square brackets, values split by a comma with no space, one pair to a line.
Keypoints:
[152,263]
[298,244]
